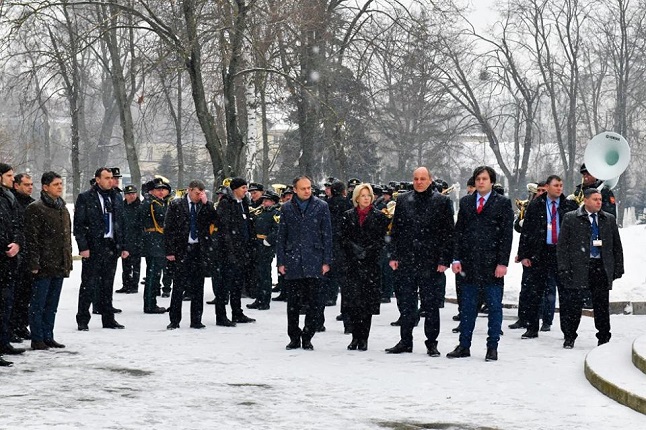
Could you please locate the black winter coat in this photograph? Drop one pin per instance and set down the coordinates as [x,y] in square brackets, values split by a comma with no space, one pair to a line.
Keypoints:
[11,226]
[133,227]
[362,247]
[422,231]
[235,234]
[177,228]
[483,241]
[573,249]
[338,205]
[534,231]
[88,220]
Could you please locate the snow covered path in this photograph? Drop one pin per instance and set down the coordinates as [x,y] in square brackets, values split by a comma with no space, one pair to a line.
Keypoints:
[242,377]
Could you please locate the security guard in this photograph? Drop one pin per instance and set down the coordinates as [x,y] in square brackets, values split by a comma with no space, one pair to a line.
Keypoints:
[266,227]
[153,214]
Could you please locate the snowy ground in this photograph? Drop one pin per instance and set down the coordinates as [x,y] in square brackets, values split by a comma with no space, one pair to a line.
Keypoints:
[242,377]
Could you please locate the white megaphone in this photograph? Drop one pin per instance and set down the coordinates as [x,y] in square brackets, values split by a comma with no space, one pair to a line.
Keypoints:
[607,156]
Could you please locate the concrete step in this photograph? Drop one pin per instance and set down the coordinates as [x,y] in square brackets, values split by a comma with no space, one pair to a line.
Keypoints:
[609,369]
[639,353]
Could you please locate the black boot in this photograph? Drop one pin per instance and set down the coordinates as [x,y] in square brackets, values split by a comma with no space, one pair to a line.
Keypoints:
[5,363]
[294,344]
[431,348]
[354,344]
[459,352]
[363,345]
[400,348]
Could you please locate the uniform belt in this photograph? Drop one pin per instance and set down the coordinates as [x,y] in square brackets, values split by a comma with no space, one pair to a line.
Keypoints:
[261,236]
[153,230]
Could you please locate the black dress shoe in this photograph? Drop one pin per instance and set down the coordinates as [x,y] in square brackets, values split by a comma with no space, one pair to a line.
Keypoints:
[157,310]
[83,327]
[529,334]
[38,345]
[243,319]
[399,348]
[320,329]
[546,327]
[5,363]
[211,302]
[307,344]
[172,326]
[53,344]
[198,326]
[431,348]
[293,344]
[457,329]
[254,305]
[363,345]
[226,322]
[396,323]
[113,325]
[263,307]
[275,289]
[15,339]
[339,317]
[353,345]
[10,350]
[135,291]
[279,298]
[122,290]
[568,344]
[492,354]
[456,317]
[116,311]
[518,324]
[459,352]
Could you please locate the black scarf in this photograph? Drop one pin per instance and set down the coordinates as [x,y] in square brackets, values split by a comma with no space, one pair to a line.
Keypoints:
[108,196]
[59,203]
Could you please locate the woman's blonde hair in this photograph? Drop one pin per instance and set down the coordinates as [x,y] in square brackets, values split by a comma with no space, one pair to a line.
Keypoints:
[357,192]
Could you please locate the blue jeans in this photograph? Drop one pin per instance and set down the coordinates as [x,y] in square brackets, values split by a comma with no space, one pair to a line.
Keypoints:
[493,299]
[43,307]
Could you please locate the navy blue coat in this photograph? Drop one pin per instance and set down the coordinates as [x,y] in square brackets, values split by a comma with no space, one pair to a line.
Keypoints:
[483,241]
[304,239]
[88,220]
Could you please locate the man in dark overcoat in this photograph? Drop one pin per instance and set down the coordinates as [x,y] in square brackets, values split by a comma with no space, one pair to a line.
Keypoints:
[187,239]
[421,246]
[537,253]
[483,237]
[590,257]
[98,232]
[304,255]
[133,234]
[235,240]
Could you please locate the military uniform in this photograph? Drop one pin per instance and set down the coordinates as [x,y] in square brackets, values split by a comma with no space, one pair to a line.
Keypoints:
[133,232]
[266,227]
[153,213]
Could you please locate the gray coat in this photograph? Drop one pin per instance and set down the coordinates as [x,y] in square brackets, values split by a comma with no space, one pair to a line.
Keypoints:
[573,248]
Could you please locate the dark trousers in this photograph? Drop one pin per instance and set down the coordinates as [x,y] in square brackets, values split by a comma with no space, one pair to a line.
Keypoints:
[303,295]
[169,275]
[21,299]
[8,274]
[97,279]
[387,276]
[154,267]
[541,289]
[189,279]
[231,290]
[263,275]
[130,272]
[523,295]
[360,321]
[493,300]
[427,282]
[571,300]
[44,304]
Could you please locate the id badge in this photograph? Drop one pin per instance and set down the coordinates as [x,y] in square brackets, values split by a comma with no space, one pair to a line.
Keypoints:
[549,227]
[597,242]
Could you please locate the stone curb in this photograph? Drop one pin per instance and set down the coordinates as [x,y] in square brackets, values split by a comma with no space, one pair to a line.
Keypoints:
[616,393]
[638,360]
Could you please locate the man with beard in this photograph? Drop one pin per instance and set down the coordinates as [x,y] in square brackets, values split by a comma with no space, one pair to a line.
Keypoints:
[98,233]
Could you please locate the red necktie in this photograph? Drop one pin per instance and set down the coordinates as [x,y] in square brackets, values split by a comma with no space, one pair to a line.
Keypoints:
[480,204]
[555,236]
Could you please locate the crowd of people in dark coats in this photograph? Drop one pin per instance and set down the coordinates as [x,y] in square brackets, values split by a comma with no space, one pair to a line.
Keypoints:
[362,240]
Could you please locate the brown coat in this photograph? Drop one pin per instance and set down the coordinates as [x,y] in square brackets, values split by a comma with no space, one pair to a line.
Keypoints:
[48,232]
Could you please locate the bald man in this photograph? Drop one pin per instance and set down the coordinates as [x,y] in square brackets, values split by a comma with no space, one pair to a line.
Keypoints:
[421,247]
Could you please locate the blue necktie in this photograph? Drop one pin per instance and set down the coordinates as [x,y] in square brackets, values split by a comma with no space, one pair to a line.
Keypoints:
[193,222]
[594,250]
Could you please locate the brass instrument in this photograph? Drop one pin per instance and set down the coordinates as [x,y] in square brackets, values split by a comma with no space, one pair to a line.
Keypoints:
[389,210]
[279,188]
[179,193]
[449,190]
[254,212]
[532,190]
